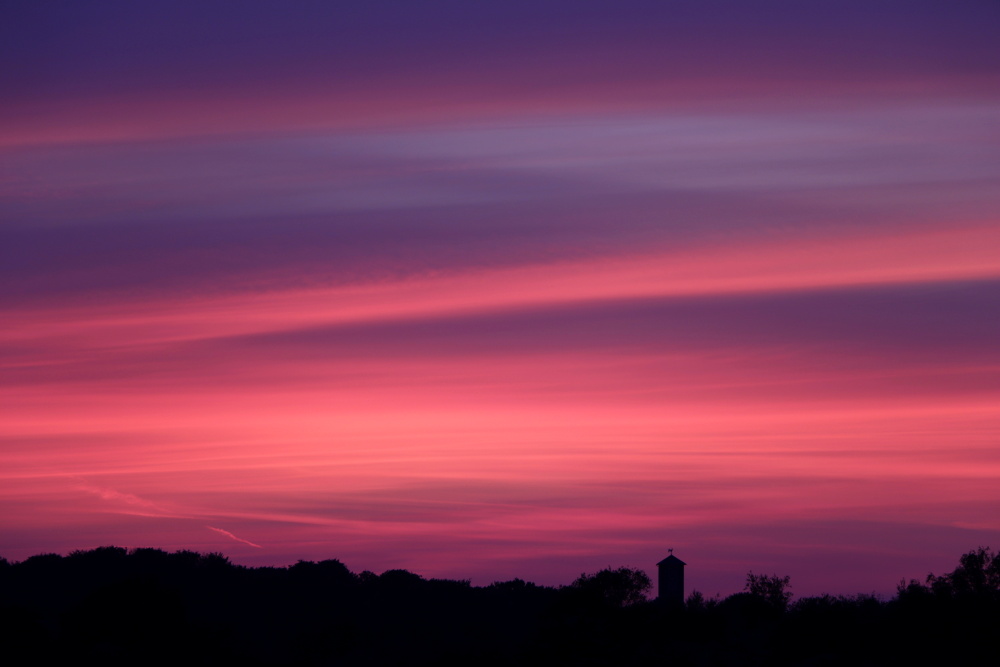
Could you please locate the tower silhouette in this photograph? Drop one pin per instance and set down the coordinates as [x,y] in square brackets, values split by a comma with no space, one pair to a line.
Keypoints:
[670,572]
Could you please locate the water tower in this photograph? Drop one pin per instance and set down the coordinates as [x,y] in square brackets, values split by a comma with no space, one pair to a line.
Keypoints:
[671,585]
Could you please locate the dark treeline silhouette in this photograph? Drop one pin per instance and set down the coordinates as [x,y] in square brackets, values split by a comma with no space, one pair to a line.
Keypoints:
[147,606]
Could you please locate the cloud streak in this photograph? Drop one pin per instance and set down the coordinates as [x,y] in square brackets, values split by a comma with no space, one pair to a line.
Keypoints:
[234,537]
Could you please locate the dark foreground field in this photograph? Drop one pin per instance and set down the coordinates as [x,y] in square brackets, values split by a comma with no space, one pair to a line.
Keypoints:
[147,606]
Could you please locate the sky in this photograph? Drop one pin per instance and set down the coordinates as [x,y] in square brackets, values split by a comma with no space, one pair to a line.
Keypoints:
[497,290]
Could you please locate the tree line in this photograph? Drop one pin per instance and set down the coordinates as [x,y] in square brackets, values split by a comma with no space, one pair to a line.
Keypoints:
[147,605]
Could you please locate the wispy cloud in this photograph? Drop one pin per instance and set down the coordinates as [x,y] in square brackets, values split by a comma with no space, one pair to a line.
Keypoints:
[128,499]
[151,509]
[234,537]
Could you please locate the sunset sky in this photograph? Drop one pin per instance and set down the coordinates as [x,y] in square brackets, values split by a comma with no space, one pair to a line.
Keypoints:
[488,290]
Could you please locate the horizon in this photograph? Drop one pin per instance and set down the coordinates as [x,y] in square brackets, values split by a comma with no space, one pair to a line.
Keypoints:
[650,594]
[519,291]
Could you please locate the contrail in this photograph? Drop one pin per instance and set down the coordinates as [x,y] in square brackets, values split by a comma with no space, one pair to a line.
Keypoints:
[233,537]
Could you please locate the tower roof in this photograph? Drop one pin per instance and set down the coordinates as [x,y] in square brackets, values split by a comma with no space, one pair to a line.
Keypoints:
[671,559]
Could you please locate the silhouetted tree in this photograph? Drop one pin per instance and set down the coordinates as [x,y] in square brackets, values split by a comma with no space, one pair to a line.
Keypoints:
[47,562]
[977,574]
[400,580]
[772,588]
[512,586]
[695,602]
[618,588]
